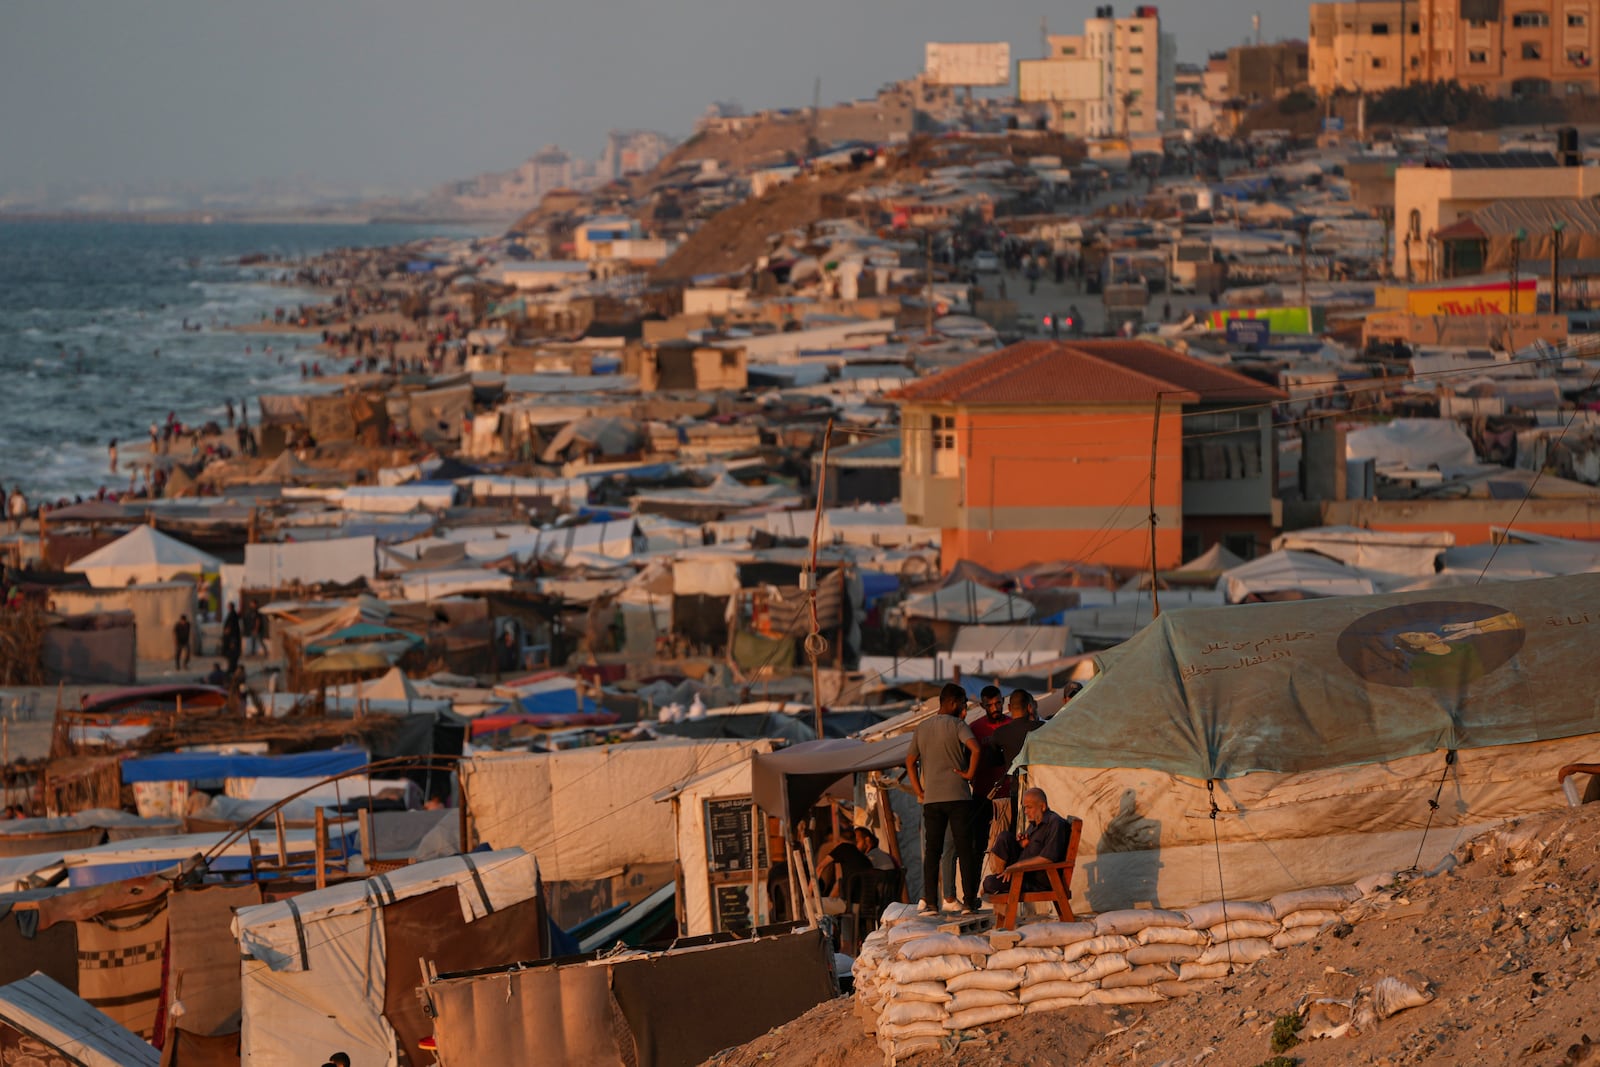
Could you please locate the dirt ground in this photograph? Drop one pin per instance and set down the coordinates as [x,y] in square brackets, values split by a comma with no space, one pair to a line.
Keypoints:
[1504,945]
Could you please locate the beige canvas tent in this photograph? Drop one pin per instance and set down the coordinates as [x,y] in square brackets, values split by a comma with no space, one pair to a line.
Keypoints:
[1324,730]
[141,556]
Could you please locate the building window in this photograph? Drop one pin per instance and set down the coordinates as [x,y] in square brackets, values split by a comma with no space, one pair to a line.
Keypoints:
[1416,28]
[1477,24]
[1415,224]
[1136,70]
[1529,19]
[1379,62]
[1530,50]
[1576,20]
[1139,48]
[1477,55]
[1578,57]
[945,463]
[1380,29]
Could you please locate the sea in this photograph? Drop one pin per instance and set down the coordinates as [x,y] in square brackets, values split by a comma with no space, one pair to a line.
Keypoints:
[93,344]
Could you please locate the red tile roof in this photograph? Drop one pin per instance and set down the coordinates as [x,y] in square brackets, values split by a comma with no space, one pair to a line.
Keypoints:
[1087,372]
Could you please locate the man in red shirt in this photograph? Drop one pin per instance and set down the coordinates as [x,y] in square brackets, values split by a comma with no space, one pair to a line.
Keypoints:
[991,777]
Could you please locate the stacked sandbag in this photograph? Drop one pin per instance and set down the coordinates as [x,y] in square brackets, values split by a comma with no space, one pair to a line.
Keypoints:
[916,985]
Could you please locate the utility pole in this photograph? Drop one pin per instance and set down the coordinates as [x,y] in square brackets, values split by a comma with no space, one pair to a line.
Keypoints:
[927,258]
[1555,268]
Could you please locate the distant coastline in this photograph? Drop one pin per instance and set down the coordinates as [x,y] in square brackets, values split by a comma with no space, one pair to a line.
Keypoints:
[307,218]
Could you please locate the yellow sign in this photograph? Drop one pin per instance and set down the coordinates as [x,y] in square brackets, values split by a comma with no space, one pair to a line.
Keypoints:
[1493,299]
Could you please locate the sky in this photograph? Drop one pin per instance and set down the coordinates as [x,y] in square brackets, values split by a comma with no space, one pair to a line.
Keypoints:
[401,94]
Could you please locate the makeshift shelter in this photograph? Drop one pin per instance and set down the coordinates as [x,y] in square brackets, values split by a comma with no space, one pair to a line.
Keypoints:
[1286,572]
[1322,729]
[966,602]
[155,608]
[336,969]
[43,1022]
[586,812]
[718,833]
[141,556]
[1377,552]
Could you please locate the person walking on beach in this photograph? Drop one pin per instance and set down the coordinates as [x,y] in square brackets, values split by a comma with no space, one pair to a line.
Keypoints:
[111,450]
[17,507]
[182,631]
[252,629]
[939,767]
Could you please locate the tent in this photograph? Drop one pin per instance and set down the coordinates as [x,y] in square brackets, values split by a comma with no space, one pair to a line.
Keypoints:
[788,782]
[141,556]
[968,602]
[44,1022]
[1321,730]
[336,969]
[1293,572]
[699,806]
[586,812]
[1412,555]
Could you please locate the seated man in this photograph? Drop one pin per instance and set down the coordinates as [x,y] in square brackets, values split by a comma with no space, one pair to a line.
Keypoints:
[1042,833]
[837,866]
[867,842]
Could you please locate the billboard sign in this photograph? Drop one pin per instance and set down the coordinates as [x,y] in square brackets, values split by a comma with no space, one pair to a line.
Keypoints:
[1495,298]
[1281,320]
[969,63]
[1059,79]
[1249,333]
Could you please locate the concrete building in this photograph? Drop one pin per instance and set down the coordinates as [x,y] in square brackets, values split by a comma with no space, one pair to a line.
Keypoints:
[1519,47]
[1129,89]
[1043,451]
[1266,71]
[1428,198]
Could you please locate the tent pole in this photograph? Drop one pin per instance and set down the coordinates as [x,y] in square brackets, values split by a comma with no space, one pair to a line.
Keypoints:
[755,867]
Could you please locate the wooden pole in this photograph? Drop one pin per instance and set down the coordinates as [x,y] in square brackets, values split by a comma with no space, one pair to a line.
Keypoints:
[1155,440]
[756,827]
[814,641]
[320,849]
[283,846]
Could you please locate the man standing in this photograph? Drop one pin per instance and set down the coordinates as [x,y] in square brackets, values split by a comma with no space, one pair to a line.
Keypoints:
[987,783]
[1005,744]
[232,638]
[939,766]
[181,633]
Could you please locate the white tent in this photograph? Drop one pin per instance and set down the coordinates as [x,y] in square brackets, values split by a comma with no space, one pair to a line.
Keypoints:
[143,555]
[690,809]
[586,812]
[1285,571]
[1415,444]
[313,977]
[54,1023]
[1378,552]
[968,602]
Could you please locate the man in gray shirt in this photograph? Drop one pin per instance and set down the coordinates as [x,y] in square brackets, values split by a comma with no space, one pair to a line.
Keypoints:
[940,765]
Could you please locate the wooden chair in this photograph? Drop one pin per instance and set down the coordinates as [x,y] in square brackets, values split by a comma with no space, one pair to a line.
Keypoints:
[1059,875]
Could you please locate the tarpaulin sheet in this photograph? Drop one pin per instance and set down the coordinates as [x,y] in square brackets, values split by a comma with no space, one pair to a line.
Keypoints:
[430,927]
[202,969]
[587,812]
[314,977]
[72,1030]
[643,1011]
[339,559]
[1294,687]
[209,766]
[788,782]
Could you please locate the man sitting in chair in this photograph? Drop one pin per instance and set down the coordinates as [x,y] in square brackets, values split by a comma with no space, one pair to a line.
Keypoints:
[1042,833]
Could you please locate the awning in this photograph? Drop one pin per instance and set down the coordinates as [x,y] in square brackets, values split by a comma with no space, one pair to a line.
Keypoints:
[790,781]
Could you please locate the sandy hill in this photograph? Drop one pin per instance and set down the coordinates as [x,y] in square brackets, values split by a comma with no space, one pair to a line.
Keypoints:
[1503,944]
[734,237]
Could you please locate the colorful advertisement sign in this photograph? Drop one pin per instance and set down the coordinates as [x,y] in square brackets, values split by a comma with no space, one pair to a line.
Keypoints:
[1297,320]
[1494,298]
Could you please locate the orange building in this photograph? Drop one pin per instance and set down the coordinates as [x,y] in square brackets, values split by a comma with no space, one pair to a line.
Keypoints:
[1043,452]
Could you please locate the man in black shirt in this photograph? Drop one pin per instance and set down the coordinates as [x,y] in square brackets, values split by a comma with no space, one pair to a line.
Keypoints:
[1005,744]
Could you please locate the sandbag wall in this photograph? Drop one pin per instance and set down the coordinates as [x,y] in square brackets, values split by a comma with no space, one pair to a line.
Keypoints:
[915,985]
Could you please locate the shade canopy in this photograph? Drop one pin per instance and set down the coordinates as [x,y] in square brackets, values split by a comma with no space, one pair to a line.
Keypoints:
[144,554]
[788,782]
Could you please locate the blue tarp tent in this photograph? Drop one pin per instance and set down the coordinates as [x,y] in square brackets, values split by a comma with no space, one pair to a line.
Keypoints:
[213,766]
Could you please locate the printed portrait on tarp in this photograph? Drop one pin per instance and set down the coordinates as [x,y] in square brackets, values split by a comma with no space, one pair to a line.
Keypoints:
[1439,645]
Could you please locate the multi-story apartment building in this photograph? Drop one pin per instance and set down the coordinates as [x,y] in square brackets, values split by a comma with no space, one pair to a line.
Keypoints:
[1504,47]
[1115,79]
